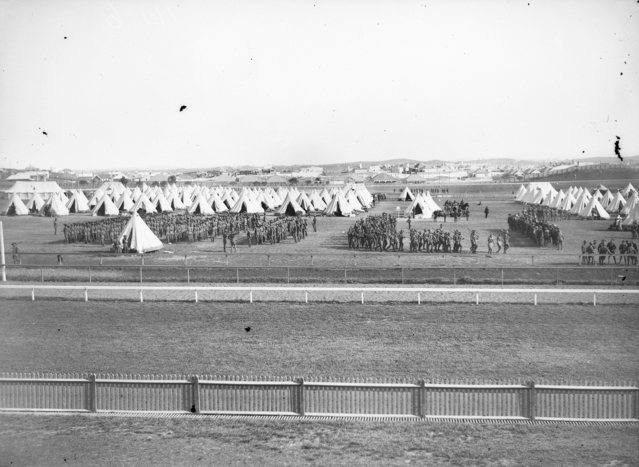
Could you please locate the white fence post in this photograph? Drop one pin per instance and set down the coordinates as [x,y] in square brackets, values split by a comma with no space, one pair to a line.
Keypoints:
[33,294]
[362,297]
[419,298]
[477,298]
[251,296]
[306,296]
[535,299]
[594,299]
[141,296]
[195,296]
[86,294]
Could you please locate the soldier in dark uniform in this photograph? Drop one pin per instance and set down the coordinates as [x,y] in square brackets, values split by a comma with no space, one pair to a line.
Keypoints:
[612,248]
[16,253]
[232,240]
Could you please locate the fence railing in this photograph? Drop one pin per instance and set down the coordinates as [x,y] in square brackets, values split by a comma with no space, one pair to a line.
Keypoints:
[393,397]
[418,293]
[355,259]
[613,275]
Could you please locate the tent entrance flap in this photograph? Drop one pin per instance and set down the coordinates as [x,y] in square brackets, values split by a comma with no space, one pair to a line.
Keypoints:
[418,210]
[290,211]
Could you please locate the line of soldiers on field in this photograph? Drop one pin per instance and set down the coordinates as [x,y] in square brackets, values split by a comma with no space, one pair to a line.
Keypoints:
[545,213]
[259,231]
[177,228]
[608,250]
[380,232]
[543,232]
[103,230]
[424,190]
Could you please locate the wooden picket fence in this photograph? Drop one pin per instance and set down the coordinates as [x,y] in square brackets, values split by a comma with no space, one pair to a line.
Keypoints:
[372,397]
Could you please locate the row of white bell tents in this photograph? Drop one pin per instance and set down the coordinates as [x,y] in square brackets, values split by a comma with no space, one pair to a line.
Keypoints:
[36,205]
[545,195]
[525,192]
[250,201]
[186,195]
[221,199]
[116,198]
[422,207]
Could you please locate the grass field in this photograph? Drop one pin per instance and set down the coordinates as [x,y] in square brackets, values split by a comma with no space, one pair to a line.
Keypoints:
[329,245]
[627,277]
[47,440]
[567,342]
[61,333]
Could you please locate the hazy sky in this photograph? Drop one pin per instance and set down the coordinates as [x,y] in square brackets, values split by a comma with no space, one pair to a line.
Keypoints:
[309,82]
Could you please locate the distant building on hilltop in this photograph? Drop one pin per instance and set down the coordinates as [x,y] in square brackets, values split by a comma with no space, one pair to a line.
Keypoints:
[33,176]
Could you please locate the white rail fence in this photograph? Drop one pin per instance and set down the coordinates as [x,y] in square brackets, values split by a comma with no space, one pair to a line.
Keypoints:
[303,292]
[394,397]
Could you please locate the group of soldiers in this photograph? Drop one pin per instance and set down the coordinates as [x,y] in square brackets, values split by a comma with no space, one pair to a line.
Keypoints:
[454,209]
[380,232]
[376,232]
[627,251]
[105,230]
[175,228]
[543,232]
[545,213]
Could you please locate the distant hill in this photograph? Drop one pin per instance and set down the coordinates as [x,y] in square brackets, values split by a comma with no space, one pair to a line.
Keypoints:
[612,173]
[339,166]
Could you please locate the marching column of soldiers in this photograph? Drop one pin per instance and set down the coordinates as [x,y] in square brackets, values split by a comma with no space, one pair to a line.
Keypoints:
[543,232]
[177,228]
[380,232]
